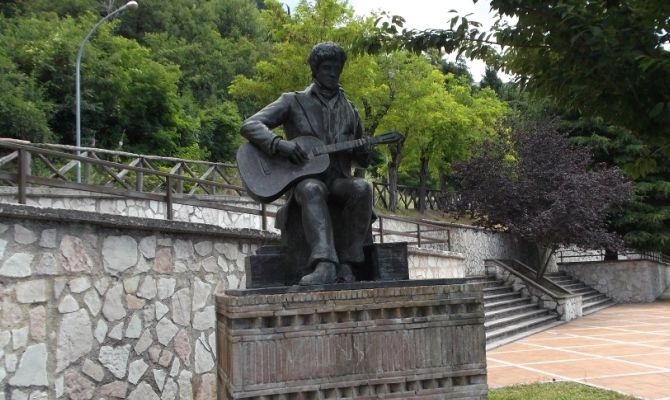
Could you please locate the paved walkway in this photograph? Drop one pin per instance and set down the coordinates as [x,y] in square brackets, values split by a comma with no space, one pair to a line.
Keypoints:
[624,348]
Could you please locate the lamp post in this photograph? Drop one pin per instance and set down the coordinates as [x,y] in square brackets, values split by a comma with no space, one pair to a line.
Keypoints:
[131,4]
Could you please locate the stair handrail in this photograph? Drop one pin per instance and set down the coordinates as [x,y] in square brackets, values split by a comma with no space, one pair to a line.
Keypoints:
[530,282]
[544,279]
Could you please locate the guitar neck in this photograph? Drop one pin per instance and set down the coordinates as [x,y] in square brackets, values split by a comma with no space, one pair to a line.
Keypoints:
[335,147]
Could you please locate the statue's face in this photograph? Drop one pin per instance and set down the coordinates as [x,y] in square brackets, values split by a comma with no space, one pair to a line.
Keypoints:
[328,74]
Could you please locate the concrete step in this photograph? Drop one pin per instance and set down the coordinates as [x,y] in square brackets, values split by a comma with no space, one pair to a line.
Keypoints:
[495,335]
[500,296]
[591,297]
[486,283]
[497,342]
[497,290]
[515,319]
[597,306]
[584,290]
[497,305]
[508,311]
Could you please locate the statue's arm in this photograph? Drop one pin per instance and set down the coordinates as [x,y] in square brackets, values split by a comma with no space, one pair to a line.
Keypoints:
[257,129]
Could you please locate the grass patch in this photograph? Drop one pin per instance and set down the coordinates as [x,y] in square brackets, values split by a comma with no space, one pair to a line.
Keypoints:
[555,391]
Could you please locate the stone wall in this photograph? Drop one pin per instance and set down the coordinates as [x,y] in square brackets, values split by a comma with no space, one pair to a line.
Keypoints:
[106,204]
[435,264]
[638,281]
[474,244]
[100,306]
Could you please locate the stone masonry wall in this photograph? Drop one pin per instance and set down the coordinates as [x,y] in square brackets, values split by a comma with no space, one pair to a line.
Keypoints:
[475,244]
[105,307]
[637,281]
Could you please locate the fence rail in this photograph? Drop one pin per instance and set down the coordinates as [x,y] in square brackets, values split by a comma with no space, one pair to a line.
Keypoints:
[567,256]
[163,179]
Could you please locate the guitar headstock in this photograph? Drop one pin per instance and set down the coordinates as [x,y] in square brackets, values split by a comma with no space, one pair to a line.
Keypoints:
[389,137]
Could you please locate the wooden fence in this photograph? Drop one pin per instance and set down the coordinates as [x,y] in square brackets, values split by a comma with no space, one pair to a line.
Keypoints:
[164,179]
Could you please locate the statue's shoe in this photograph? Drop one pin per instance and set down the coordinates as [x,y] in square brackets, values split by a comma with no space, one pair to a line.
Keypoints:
[344,274]
[323,274]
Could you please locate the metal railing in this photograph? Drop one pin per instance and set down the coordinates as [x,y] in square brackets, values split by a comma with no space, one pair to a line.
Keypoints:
[164,179]
[567,256]
[408,197]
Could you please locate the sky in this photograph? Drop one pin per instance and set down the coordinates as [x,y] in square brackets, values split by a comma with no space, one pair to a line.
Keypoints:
[425,14]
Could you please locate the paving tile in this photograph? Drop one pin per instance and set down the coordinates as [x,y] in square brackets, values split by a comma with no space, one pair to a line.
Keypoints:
[517,346]
[593,368]
[539,355]
[609,350]
[636,337]
[651,386]
[655,359]
[571,342]
[624,348]
[504,376]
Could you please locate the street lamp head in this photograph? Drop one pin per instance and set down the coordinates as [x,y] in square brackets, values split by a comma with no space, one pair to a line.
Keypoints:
[132,4]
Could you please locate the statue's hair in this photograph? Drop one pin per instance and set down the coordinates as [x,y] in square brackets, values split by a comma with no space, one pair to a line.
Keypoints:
[326,51]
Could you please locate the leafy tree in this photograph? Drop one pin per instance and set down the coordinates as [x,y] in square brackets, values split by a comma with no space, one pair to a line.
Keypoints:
[644,221]
[24,114]
[120,102]
[607,59]
[393,91]
[538,186]
[491,80]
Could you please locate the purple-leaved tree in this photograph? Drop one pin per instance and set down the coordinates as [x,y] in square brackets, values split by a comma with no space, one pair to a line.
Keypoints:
[535,184]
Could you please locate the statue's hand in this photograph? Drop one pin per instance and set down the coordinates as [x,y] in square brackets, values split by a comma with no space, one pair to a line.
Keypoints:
[292,151]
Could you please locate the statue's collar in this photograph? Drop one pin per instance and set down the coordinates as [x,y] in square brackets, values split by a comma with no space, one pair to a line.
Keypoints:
[316,90]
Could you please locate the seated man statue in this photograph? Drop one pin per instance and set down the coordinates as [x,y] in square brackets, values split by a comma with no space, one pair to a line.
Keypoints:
[321,110]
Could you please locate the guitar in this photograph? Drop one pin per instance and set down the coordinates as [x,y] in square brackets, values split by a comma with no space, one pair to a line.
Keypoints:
[268,177]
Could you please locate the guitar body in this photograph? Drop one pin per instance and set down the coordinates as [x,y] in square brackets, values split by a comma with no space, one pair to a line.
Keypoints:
[268,177]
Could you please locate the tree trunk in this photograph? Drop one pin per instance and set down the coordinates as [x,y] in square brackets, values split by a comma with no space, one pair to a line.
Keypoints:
[547,254]
[396,156]
[423,182]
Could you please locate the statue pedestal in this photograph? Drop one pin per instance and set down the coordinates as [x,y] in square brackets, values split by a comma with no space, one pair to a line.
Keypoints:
[372,340]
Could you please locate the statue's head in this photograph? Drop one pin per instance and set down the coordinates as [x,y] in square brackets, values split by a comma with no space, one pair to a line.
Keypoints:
[326,51]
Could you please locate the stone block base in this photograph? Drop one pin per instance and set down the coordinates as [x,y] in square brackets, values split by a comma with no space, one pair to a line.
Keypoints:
[401,340]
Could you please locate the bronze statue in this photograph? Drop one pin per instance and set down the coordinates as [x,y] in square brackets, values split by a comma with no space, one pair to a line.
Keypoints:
[324,112]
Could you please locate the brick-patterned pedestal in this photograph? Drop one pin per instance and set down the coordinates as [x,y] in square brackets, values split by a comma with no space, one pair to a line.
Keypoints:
[418,339]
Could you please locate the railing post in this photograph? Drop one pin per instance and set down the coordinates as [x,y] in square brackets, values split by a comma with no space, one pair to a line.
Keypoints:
[168,197]
[264,217]
[139,177]
[85,168]
[449,239]
[418,234]
[180,182]
[381,229]
[24,171]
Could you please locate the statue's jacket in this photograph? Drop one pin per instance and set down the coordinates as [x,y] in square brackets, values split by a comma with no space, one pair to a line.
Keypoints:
[307,113]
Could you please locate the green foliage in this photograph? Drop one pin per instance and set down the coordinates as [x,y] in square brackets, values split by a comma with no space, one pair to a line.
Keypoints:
[23,112]
[607,59]
[645,220]
[440,116]
[154,80]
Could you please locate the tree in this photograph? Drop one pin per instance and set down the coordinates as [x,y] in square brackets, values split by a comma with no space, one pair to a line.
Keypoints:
[394,91]
[491,80]
[644,221]
[120,102]
[538,186]
[605,58]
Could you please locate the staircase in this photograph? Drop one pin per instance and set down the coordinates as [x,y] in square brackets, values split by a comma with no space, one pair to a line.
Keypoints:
[509,315]
[592,300]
